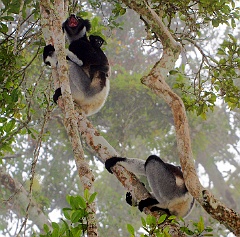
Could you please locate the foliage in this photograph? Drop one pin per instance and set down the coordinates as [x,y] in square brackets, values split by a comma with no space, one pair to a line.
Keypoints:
[218,80]
[159,227]
[223,77]
[10,95]
[75,222]
[15,110]
[213,76]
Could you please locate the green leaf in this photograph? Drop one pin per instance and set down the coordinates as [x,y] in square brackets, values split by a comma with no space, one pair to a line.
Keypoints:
[92,198]
[14,7]
[66,213]
[143,222]
[151,220]
[86,194]
[46,228]
[77,231]
[3,28]
[95,22]
[77,215]
[171,217]
[130,229]
[55,225]
[215,23]
[3,120]
[209,229]
[55,233]
[9,126]
[14,95]
[79,201]
[68,198]
[162,218]
[65,225]
[232,38]
[200,225]
[73,202]
[186,230]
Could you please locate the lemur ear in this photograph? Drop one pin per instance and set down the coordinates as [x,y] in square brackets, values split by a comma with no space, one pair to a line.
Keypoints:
[87,25]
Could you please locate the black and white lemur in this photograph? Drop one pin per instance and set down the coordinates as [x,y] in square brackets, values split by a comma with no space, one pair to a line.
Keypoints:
[165,180]
[88,65]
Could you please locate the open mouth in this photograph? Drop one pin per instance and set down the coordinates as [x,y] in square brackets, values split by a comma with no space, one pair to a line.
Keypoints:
[72,22]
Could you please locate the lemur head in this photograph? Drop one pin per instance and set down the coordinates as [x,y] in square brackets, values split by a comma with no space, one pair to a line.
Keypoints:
[96,41]
[75,27]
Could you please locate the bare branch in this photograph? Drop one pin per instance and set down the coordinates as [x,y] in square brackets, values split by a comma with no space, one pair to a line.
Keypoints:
[20,194]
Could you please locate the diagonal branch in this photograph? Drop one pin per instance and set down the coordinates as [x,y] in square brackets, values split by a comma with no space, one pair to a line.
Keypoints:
[104,151]
[19,200]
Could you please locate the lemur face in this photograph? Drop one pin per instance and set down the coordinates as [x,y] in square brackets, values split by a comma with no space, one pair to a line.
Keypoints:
[75,27]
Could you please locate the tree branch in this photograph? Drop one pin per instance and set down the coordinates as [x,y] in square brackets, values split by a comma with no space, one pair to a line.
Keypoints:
[105,151]
[21,197]
[156,82]
[54,34]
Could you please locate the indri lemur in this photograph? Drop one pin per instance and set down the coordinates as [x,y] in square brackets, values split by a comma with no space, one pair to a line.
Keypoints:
[165,180]
[88,65]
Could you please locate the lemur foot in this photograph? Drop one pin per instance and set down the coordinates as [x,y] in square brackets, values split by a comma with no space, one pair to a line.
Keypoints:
[56,95]
[48,51]
[111,162]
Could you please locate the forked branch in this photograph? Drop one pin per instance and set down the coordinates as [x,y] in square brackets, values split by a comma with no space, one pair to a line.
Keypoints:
[156,82]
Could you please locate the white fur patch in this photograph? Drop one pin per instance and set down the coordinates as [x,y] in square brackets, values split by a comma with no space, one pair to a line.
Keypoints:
[181,206]
[82,32]
[52,60]
[74,58]
[179,181]
[95,103]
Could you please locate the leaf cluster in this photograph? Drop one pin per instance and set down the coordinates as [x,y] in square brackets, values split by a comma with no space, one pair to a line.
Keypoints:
[160,227]
[10,94]
[216,79]
[13,7]
[197,14]
[75,222]
[15,35]
[224,76]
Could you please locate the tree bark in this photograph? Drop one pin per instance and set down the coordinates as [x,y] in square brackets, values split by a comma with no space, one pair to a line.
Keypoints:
[53,34]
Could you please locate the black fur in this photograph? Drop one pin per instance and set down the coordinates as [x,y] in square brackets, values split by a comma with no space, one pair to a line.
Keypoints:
[146,203]
[169,192]
[129,198]
[79,22]
[96,41]
[88,51]
[88,66]
[56,95]
[112,162]
[48,51]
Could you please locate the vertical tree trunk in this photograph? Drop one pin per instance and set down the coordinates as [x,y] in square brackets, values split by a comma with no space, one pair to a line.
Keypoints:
[53,34]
